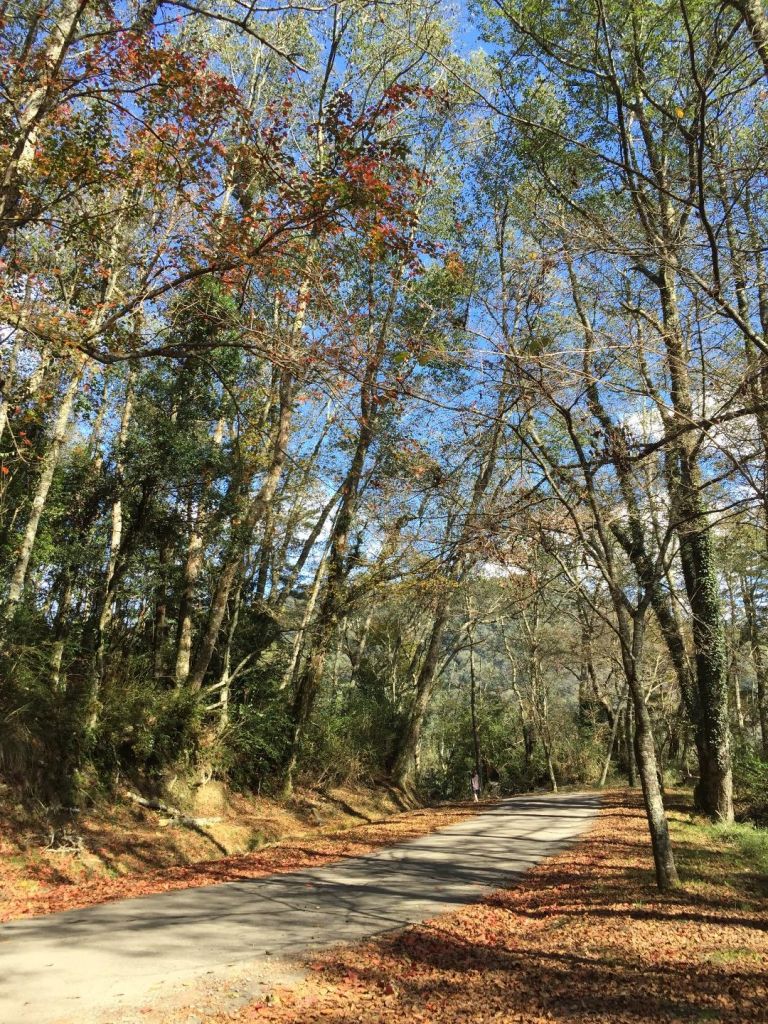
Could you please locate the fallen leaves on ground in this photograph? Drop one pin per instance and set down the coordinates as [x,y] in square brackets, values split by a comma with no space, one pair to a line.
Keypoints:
[51,891]
[584,938]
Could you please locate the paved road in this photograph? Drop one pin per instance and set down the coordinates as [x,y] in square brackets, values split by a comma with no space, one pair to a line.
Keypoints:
[66,966]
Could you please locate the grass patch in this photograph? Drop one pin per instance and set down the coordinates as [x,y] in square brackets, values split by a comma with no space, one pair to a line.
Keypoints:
[732,956]
[750,841]
[725,858]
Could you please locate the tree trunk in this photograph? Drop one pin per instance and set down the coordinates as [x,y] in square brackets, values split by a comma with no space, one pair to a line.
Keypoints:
[290,674]
[60,631]
[233,560]
[160,624]
[332,599]
[48,467]
[617,717]
[757,23]
[473,707]
[115,549]
[629,745]
[404,768]
[715,790]
[631,635]
[709,707]
[758,661]
[192,566]
[666,871]
[631,534]
[223,688]
[550,768]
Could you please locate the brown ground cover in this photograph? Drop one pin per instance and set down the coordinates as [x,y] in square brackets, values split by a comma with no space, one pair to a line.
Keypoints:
[34,881]
[585,938]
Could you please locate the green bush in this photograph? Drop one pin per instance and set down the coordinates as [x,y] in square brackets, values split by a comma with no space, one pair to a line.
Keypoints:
[251,751]
[351,736]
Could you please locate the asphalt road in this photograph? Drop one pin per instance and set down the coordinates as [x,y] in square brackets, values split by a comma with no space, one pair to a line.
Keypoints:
[72,966]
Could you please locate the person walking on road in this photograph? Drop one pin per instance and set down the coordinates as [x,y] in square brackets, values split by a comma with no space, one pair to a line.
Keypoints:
[475,786]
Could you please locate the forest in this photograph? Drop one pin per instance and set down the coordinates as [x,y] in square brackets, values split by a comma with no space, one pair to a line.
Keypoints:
[385,397]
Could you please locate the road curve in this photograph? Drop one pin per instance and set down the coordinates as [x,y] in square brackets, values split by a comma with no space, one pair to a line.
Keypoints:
[66,966]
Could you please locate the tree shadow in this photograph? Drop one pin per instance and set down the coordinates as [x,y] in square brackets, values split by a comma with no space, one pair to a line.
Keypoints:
[536,984]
